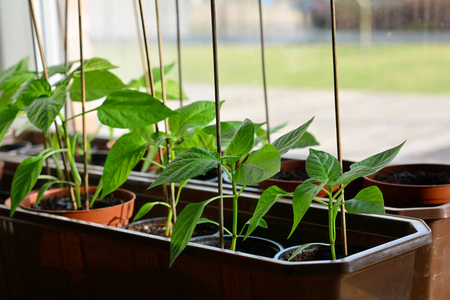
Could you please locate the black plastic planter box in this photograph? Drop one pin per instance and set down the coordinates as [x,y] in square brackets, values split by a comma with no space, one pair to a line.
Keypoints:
[58,258]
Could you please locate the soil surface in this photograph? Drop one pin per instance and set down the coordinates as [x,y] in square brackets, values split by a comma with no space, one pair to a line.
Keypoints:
[65,203]
[293,175]
[158,227]
[415,178]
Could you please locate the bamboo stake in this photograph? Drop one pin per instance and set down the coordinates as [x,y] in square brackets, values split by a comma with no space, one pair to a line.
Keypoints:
[83,108]
[177,7]
[44,66]
[152,87]
[218,129]
[338,120]
[166,121]
[141,45]
[263,58]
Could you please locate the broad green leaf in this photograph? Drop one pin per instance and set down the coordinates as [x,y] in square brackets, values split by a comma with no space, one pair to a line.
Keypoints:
[11,84]
[323,165]
[227,130]
[146,208]
[98,64]
[268,198]
[21,66]
[302,199]
[380,160]
[172,90]
[32,90]
[98,85]
[307,140]
[184,228]
[157,71]
[24,180]
[7,116]
[260,165]
[124,155]
[194,115]
[367,201]
[199,139]
[132,109]
[145,132]
[242,141]
[191,163]
[353,174]
[43,111]
[287,141]
[94,64]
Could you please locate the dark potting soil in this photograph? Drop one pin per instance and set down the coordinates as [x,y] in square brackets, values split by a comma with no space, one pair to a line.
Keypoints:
[65,203]
[293,175]
[315,253]
[415,178]
[158,227]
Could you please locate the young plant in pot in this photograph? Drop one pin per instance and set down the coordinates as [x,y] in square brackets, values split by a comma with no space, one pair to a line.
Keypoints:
[43,103]
[243,165]
[325,169]
[185,131]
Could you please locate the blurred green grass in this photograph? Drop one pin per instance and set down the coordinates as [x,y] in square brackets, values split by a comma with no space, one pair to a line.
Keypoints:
[423,68]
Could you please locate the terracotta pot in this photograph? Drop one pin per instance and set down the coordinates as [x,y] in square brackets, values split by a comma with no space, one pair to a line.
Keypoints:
[404,195]
[116,216]
[288,185]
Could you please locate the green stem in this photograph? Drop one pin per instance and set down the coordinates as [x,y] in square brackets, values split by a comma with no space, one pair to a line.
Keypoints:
[73,117]
[331,229]
[235,217]
[168,232]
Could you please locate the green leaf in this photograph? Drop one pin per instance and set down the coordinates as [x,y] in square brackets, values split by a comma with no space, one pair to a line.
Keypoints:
[322,165]
[24,180]
[21,66]
[98,85]
[184,227]
[260,165]
[367,201]
[7,116]
[132,109]
[307,140]
[98,64]
[43,111]
[194,115]
[353,174]
[189,164]
[227,131]
[380,160]
[172,90]
[157,71]
[148,207]
[287,141]
[268,198]
[302,199]
[124,155]
[32,90]
[242,141]
[145,132]
[11,84]
[199,139]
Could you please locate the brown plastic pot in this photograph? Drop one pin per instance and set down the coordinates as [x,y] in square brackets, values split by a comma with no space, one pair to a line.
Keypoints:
[404,195]
[116,216]
[288,185]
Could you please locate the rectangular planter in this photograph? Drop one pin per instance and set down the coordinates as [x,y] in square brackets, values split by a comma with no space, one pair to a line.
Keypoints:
[44,255]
